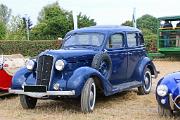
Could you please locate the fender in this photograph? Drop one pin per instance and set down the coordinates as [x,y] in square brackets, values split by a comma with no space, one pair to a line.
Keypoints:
[170,82]
[145,62]
[80,76]
[20,77]
[5,80]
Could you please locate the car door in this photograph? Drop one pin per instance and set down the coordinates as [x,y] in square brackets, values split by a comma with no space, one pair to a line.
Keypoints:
[116,49]
[135,50]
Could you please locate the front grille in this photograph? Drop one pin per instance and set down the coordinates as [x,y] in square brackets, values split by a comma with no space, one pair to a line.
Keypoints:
[44,67]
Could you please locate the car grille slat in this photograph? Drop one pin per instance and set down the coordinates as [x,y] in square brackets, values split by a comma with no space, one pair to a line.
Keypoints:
[44,67]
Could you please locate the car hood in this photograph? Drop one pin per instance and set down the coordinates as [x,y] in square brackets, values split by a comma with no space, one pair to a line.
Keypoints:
[70,55]
[172,81]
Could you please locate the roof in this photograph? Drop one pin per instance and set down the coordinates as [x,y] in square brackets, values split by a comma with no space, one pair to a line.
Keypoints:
[105,28]
[170,18]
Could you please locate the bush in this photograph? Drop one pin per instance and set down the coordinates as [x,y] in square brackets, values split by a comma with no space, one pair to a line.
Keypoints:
[28,48]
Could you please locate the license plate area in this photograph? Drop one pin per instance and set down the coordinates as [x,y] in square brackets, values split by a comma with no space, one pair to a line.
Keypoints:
[35,88]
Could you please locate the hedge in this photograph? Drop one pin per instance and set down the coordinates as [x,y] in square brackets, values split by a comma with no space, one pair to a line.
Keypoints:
[28,48]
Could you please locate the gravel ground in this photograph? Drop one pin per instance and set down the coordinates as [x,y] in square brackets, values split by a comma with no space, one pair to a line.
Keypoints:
[123,106]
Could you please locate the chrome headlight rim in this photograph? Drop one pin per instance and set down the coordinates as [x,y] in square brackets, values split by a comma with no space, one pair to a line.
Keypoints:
[60,64]
[162,90]
[30,65]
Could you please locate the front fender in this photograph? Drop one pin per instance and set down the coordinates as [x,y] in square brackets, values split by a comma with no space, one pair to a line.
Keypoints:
[173,84]
[139,72]
[80,76]
[20,77]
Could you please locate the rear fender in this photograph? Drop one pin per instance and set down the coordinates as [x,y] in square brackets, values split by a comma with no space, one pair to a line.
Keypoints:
[144,63]
[80,76]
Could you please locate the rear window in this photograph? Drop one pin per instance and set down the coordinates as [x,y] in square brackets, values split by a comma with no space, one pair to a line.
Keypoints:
[132,39]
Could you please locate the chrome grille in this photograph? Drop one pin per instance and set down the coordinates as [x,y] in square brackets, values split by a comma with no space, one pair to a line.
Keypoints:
[44,67]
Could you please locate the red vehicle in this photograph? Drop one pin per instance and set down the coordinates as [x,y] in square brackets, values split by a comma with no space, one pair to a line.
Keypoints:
[9,64]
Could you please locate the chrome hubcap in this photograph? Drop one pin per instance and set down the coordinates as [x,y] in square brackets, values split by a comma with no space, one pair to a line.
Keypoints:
[147,81]
[92,96]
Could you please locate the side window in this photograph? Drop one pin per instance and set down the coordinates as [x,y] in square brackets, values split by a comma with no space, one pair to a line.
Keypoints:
[116,41]
[132,39]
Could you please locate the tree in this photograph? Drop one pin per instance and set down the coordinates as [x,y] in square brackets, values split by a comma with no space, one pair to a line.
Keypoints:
[5,13]
[54,22]
[16,30]
[148,25]
[85,21]
[149,22]
[128,23]
[2,30]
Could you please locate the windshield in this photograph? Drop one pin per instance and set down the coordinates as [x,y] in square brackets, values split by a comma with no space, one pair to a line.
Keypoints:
[84,39]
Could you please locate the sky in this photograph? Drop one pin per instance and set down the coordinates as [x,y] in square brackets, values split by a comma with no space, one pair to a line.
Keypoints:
[105,12]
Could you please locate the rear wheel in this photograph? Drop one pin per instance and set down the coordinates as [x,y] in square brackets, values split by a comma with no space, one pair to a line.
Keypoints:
[164,112]
[88,96]
[147,83]
[28,102]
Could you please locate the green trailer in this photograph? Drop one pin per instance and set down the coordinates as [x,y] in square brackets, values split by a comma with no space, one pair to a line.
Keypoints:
[168,42]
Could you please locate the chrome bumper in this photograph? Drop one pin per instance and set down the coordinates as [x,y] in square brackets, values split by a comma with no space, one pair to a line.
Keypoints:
[172,102]
[42,94]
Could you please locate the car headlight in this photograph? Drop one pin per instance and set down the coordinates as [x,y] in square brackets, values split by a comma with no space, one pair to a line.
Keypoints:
[30,64]
[162,90]
[59,65]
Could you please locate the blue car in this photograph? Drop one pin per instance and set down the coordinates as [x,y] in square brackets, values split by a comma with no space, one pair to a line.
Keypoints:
[97,59]
[168,94]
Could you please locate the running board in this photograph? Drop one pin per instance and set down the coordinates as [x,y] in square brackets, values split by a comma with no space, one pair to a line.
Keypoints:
[125,86]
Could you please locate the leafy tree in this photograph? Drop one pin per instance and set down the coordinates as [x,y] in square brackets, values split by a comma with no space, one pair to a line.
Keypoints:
[148,22]
[16,30]
[84,21]
[53,22]
[5,13]
[148,25]
[128,23]
[2,30]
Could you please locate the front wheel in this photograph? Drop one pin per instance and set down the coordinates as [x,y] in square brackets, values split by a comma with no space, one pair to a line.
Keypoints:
[88,96]
[147,83]
[164,112]
[28,102]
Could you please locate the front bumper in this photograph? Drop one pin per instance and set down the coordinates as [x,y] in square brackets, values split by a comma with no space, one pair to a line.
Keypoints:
[173,103]
[42,94]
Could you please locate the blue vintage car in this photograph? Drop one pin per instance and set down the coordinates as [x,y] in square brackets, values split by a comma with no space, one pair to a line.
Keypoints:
[98,59]
[168,94]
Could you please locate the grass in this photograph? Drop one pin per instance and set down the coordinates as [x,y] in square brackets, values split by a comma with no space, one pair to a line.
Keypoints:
[122,106]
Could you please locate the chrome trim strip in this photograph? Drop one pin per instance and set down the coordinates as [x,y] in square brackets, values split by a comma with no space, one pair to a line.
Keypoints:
[40,95]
